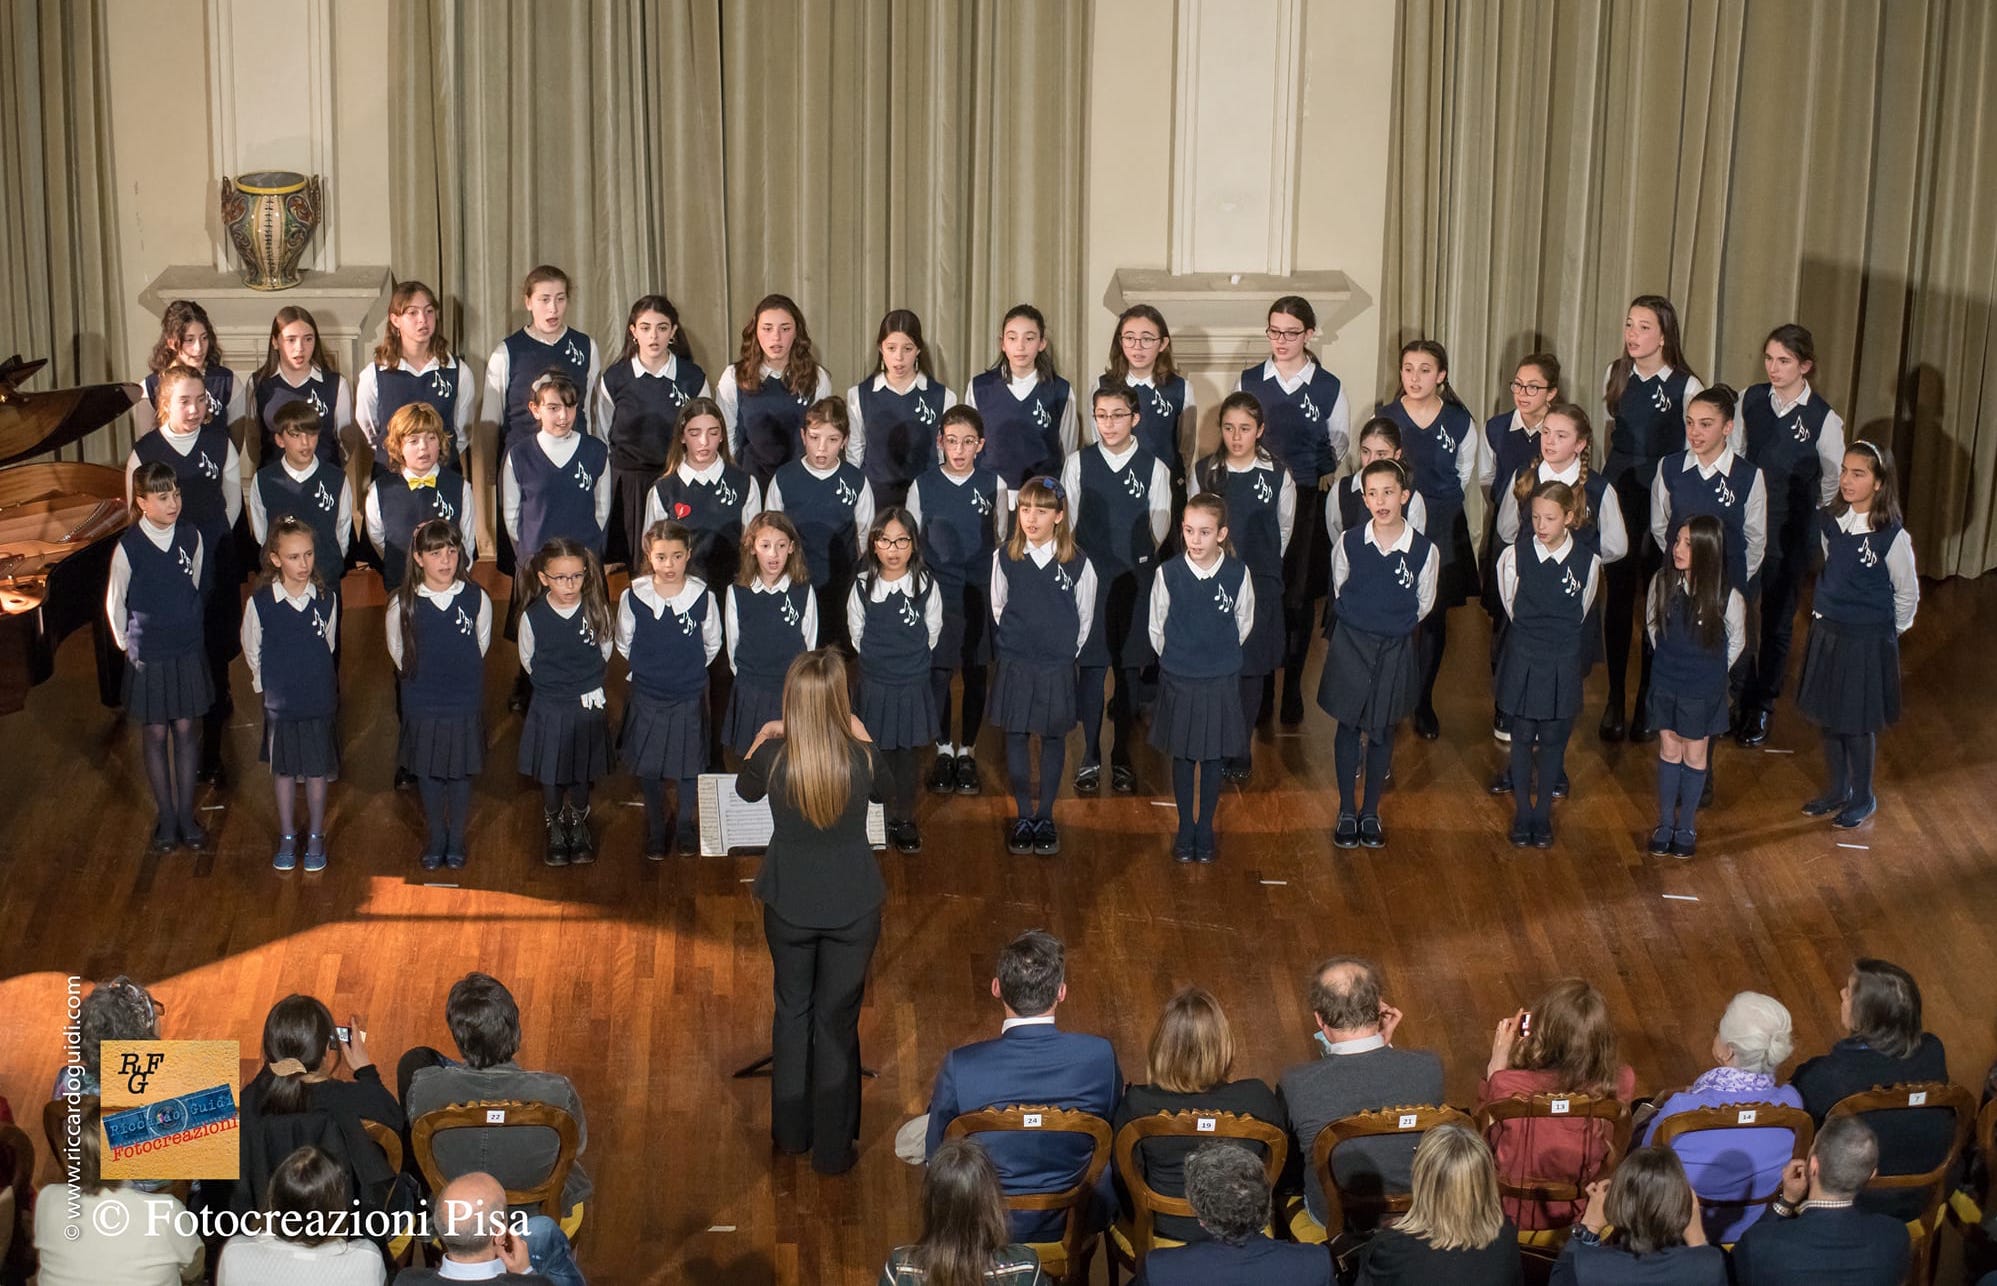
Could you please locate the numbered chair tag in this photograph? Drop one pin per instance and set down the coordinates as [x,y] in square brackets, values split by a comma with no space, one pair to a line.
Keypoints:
[1744,1117]
[1206,1125]
[1559,1107]
[1408,1120]
[1917,1098]
[495,1116]
[1032,1120]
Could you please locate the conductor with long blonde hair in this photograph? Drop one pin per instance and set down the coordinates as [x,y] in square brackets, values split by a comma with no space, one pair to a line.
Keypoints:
[821,891]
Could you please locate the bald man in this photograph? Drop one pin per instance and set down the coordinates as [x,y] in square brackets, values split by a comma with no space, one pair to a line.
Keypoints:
[483,1241]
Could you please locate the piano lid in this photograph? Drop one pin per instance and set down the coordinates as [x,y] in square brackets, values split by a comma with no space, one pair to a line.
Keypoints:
[32,423]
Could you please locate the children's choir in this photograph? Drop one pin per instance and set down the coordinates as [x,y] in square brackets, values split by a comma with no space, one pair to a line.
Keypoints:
[936,538]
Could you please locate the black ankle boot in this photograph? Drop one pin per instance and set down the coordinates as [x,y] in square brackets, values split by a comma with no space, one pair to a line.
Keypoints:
[582,845]
[558,838]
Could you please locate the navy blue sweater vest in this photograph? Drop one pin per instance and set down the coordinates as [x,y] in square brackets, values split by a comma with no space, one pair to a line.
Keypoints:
[527,360]
[1682,664]
[822,509]
[218,381]
[314,502]
[1724,496]
[444,673]
[895,647]
[1296,422]
[959,525]
[404,509]
[767,420]
[568,654]
[1382,593]
[558,500]
[1546,609]
[1511,447]
[900,431]
[1022,435]
[1042,619]
[200,475]
[1785,450]
[322,394]
[1431,452]
[1648,423]
[668,651]
[1254,523]
[395,388]
[1158,412]
[164,600]
[645,412]
[1114,526]
[1855,587]
[712,511]
[297,666]
[1202,633]
[769,632]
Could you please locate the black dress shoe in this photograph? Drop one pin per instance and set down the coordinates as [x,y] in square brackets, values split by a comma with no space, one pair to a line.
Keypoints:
[943,775]
[1205,850]
[967,775]
[1089,779]
[1237,771]
[1825,805]
[1046,838]
[193,836]
[1427,726]
[907,839]
[1347,834]
[557,851]
[1182,849]
[1123,779]
[1612,727]
[432,861]
[1542,835]
[1371,833]
[1660,842]
[1562,788]
[1019,836]
[1521,834]
[1855,813]
[166,838]
[1684,843]
[1754,728]
[404,779]
[1500,784]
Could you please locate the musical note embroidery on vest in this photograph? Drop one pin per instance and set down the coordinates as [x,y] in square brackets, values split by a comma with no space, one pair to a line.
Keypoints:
[981,503]
[584,629]
[319,621]
[1799,430]
[1570,584]
[1723,492]
[1263,492]
[322,497]
[1659,399]
[1041,418]
[1063,580]
[843,491]
[788,609]
[1137,488]
[185,561]
[925,413]
[444,508]
[906,611]
[318,404]
[574,354]
[581,475]
[1402,575]
[724,493]
[1309,408]
[207,467]
[214,405]
[685,621]
[466,626]
[676,393]
[439,385]
[1866,556]
[1223,601]
[1161,406]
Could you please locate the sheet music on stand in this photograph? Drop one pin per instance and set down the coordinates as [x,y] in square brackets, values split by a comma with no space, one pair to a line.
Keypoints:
[727,821]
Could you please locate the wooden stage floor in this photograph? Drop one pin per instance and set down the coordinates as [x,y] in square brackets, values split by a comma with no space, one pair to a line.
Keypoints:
[648,983]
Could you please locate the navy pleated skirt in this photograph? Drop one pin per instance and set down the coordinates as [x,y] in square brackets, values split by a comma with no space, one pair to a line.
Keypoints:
[1198,718]
[1851,678]
[447,747]
[172,687]
[898,716]
[663,739]
[750,706]
[564,743]
[1537,687]
[1691,715]
[1370,681]
[1033,698]
[300,747]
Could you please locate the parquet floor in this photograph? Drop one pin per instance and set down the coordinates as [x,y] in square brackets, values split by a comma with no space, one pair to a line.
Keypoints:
[648,983]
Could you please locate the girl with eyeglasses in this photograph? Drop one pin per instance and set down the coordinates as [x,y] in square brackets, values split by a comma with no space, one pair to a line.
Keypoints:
[894,613]
[566,633]
[1140,355]
[1511,443]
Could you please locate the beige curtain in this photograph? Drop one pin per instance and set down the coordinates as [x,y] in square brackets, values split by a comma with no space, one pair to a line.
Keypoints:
[1759,161]
[58,239]
[854,154]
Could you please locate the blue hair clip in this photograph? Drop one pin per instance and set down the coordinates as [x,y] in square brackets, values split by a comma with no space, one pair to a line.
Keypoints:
[1052,484]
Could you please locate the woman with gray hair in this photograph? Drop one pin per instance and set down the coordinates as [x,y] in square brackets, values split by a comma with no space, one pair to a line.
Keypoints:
[1726,1167]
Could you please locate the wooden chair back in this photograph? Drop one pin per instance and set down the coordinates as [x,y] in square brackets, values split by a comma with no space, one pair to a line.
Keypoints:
[1146,1202]
[1068,1258]
[1611,1112]
[388,1141]
[1341,1204]
[1741,1116]
[1917,1096]
[496,1114]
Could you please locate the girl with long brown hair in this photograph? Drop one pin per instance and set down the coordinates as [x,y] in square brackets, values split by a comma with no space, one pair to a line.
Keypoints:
[1697,626]
[297,367]
[764,391]
[637,407]
[414,363]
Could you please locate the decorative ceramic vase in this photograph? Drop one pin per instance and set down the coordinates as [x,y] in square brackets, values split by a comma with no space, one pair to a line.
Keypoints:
[270,216]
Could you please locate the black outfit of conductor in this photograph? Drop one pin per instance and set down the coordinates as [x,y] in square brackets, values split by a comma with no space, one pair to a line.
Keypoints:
[821,891]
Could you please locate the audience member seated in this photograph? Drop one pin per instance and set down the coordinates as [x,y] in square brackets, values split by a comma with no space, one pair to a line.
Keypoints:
[1031,1062]
[1815,1235]
[485,1024]
[483,1241]
[1569,1049]
[1880,1008]
[120,1235]
[295,1101]
[307,1194]
[965,1241]
[1754,1039]
[1358,1070]
[1646,1233]
[1192,1052]
[116,1010]
[1229,1193]
[1455,1233]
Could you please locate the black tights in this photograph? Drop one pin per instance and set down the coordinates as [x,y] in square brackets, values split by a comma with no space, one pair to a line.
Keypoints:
[1196,824]
[577,793]
[654,791]
[1850,759]
[1019,767]
[1539,755]
[1089,689]
[974,703]
[447,807]
[172,781]
[287,804]
[905,771]
[1378,762]
[1431,637]
[1251,689]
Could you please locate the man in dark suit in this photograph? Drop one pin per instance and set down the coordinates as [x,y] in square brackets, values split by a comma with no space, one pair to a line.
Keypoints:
[483,1242]
[1813,1233]
[1230,1195]
[1360,1071]
[1032,1063]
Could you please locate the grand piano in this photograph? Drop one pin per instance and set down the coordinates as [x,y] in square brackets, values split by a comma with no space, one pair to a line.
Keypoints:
[59,521]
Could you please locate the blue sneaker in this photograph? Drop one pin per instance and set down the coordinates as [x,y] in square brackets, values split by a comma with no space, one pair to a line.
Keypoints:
[315,853]
[286,857]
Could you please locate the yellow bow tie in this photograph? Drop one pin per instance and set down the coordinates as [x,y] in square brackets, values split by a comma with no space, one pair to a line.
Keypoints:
[427,480]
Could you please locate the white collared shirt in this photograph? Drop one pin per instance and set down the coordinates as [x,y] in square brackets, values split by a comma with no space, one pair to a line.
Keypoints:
[1508,571]
[456,1270]
[807,619]
[464,406]
[751,498]
[1426,579]
[443,598]
[643,591]
[499,373]
[1754,514]
[1337,420]
[1038,1020]
[1608,519]
[863,504]
[559,450]
[856,609]
[1002,500]
[856,445]
[1356,1045]
[1286,495]
[1161,601]
[1158,491]
[1066,431]
[343,508]
[231,465]
[252,631]
[1085,586]
[603,407]
[120,581]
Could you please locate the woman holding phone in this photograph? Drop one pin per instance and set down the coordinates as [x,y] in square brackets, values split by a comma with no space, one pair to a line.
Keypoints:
[821,891]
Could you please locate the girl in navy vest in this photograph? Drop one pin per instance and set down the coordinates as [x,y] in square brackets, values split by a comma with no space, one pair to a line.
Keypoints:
[1201,611]
[704,491]
[566,633]
[297,368]
[1865,600]
[1043,604]
[187,339]
[894,613]
[204,460]
[828,500]
[1028,411]
[1383,577]
[637,406]
[772,617]
[1646,391]
[1697,625]
[154,603]
[1140,355]
[289,633]
[555,484]
[1797,441]
[416,489]
[1439,436]
[299,484]
[1547,583]
[764,391]
[1511,444]
[897,414]
[961,509]
[547,343]
[669,632]
[1309,431]
[413,363]
[1261,501]
[1120,502]
[439,627]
